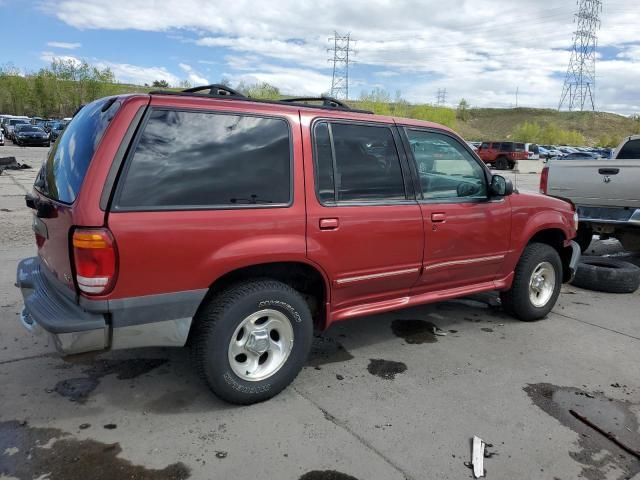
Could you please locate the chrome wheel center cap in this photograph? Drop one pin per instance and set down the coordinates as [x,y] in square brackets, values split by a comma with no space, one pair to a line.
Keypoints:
[538,281]
[258,342]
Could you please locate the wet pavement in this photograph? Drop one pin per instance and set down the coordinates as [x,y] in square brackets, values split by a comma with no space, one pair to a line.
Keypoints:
[395,396]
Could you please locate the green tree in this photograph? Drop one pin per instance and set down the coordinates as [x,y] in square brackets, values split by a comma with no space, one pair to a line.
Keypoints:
[462,112]
[160,84]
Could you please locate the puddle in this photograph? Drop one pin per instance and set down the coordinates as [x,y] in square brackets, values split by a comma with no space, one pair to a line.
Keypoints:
[172,402]
[326,475]
[78,389]
[386,369]
[66,458]
[487,329]
[414,332]
[327,350]
[600,458]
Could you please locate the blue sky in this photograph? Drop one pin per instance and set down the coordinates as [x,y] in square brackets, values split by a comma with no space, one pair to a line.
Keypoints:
[480,50]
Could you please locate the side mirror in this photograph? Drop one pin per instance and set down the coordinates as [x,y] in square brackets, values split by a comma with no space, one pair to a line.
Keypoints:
[500,186]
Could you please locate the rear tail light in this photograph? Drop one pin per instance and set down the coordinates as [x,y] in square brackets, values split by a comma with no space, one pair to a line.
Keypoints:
[544,180]
[95,258]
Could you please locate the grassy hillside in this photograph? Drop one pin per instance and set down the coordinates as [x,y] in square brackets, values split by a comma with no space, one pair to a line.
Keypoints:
[498,124]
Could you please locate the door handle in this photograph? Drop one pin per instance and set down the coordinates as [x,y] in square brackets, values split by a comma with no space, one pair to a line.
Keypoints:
[608,171]
[329,223]
[438,217]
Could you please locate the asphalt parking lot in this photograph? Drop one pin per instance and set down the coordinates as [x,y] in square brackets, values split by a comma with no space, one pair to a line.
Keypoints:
[382,397]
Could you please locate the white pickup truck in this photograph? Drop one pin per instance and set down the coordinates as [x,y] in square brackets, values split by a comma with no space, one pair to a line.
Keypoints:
[606,193]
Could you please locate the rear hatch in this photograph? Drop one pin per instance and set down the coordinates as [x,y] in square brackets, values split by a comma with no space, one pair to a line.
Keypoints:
[59,181]
[604,183]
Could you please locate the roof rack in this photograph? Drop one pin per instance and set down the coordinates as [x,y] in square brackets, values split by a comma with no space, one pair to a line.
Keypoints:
[326,101]
[216,90]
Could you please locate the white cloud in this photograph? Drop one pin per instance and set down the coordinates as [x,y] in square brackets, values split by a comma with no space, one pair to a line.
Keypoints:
[136,74]
[49,57]
[293,81]
[481,50]
[194,77]
[64,45]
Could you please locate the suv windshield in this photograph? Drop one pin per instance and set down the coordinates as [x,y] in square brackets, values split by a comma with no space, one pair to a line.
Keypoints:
[62,174]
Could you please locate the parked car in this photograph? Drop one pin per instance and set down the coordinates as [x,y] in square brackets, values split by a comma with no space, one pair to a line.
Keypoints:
[11,123]
[189,218]
[580,156]
[532,150]
[26,134]
[553,151]
[605,192]
[502,155]
[1,138]
[56,129]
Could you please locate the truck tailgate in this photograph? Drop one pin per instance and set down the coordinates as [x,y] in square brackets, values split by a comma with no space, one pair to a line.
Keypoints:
[606,183]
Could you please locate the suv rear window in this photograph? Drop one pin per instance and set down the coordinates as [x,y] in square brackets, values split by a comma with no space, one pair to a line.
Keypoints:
[186,159]
[62,174]
[357,163]
[630,150]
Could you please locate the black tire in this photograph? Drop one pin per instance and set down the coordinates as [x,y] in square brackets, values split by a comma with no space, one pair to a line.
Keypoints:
[604,274]
[584,236]
[516,301]
[502,163]
[217,322]
[512,165]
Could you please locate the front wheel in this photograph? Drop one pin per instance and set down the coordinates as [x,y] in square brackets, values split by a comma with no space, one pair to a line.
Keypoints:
[252,340]
[536,283]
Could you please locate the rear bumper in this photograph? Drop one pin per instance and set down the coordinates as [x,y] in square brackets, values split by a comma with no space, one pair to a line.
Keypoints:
[610,215]
[84,325]
[49,310]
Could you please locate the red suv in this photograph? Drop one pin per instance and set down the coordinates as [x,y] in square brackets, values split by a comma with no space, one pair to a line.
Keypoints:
[502,155]
[236,226]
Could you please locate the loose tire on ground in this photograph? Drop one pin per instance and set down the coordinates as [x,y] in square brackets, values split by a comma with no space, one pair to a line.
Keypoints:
[605,274]
[216,327]
[517,301]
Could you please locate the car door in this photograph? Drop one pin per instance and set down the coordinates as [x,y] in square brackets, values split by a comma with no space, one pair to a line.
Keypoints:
[364,226]
[467,234]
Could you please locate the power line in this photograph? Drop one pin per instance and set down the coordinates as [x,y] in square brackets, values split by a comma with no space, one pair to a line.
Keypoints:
[341,50]
[579,83]
[442,96]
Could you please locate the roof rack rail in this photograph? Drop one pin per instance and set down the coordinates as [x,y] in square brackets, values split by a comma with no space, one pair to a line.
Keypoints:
[326,101]
[217,91]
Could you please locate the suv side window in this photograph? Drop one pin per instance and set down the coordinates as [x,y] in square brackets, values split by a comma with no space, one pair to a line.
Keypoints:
[447,171]
[357,163]
[186,159]
[485,145]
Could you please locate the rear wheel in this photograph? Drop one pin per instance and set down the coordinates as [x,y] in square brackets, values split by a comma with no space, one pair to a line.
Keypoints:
[250,341]
[536,283]
[502,163]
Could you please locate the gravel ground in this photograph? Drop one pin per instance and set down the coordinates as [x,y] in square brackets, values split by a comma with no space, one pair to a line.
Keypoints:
[382,397]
